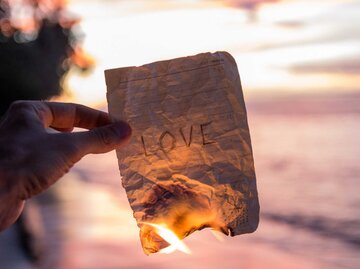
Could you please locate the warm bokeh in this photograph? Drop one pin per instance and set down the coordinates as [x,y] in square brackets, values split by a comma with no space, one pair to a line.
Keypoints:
[299,65]
[280,46]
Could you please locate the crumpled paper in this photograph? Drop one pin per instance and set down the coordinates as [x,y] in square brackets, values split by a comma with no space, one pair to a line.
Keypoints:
[189,163]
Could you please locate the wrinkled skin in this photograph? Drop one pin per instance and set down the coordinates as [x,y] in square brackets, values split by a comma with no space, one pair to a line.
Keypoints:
[32,159]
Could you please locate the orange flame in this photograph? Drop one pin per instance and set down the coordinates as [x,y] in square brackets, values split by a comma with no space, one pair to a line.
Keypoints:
[170,237]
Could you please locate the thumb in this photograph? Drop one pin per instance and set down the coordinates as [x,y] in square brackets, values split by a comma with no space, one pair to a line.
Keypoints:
[101,139]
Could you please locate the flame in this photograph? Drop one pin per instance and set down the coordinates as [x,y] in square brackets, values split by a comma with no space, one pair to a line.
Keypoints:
[170,237]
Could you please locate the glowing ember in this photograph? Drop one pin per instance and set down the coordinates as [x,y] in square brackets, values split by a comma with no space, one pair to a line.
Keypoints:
[170,237]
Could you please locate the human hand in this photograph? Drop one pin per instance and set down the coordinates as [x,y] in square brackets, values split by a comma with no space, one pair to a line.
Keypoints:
[32,159]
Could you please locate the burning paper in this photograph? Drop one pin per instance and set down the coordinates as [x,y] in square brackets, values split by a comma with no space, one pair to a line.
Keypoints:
[189,164]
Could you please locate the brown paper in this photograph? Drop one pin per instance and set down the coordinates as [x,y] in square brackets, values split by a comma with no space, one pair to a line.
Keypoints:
[189,163]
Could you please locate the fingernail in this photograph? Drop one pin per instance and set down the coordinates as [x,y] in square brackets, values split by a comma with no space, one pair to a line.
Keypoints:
[123,129]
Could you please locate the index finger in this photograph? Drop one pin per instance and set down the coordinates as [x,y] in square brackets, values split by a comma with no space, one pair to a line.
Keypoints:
[69,115]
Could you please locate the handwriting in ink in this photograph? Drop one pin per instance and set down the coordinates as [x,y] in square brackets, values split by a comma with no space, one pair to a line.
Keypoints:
[183,136]
[167,140]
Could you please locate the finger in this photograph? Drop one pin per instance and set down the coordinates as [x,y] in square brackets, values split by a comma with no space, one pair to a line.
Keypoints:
[98,140]
[65,116]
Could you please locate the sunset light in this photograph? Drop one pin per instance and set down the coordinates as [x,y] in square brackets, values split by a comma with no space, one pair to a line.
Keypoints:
[279,51]
[206,149]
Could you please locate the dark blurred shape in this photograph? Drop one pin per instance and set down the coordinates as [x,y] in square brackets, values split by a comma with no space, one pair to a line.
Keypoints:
[250,5]
[38,45]
[343,230]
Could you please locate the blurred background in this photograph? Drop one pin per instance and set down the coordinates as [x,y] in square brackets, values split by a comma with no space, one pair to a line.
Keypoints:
[299,62]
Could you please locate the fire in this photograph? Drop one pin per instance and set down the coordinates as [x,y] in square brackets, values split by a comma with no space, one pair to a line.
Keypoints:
[170,237]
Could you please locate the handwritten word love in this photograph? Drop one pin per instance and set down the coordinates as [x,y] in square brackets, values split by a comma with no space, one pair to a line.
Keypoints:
[167,140]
